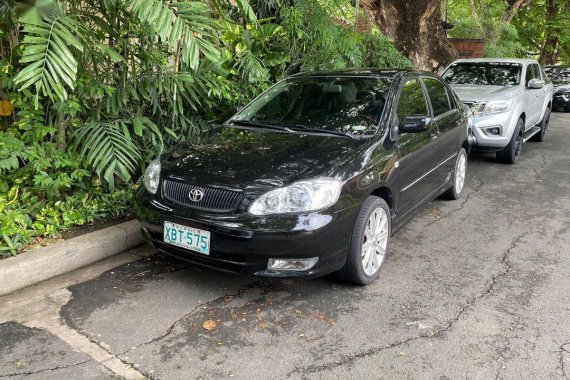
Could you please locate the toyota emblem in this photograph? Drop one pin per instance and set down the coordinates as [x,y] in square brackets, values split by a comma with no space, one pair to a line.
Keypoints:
[196,195]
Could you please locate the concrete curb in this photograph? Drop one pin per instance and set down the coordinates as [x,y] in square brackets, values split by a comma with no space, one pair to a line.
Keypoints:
[47,262]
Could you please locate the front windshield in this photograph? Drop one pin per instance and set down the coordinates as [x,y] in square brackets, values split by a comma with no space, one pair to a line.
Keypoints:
[484,73]
[343,104]
[559,75]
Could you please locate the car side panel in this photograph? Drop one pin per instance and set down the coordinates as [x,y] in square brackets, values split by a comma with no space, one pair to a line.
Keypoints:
[533,98]
[417,167]
[449,141]
[547,92]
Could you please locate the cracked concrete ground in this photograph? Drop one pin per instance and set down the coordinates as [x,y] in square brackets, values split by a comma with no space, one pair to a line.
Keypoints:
[476,288]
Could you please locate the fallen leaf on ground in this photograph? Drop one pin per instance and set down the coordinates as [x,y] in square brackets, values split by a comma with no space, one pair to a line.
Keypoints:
[209,324]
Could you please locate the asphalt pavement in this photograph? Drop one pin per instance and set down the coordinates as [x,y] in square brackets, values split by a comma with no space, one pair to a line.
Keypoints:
[476,288]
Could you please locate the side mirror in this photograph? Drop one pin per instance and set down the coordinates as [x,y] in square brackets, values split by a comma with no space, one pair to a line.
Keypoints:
[414,124]
[536,83]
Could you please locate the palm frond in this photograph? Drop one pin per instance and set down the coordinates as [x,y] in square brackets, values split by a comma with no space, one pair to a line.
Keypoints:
[187,23]
[51,65]
[110,149]
[6,12]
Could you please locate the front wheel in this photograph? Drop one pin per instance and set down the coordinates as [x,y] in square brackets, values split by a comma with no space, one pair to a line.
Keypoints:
[511,153]
[369,243]
[455,191]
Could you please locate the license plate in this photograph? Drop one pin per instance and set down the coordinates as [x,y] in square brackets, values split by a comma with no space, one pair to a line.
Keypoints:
[190,238]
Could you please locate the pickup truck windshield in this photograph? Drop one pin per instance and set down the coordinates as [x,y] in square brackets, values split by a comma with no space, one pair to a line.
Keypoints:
[484,73]
[351,105]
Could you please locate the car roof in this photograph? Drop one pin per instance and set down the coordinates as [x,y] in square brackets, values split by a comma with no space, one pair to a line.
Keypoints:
[360,72]
[522,61]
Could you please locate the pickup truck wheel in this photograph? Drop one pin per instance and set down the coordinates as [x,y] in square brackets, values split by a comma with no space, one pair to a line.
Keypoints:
[511,153]
[455,191]
[369,243]
[544,123]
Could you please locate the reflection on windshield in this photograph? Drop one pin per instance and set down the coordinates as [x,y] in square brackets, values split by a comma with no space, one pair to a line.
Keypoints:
[487,73]
[343,104]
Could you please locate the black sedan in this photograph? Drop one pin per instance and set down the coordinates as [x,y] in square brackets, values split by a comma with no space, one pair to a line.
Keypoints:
[560,76]
[312,177]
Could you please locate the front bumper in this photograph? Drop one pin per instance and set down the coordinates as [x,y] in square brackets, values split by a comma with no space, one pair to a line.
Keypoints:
[244,243]
[503,120]
[562,98]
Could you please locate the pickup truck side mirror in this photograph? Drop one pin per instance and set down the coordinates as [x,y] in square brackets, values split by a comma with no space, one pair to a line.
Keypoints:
[414,124]
[536,83]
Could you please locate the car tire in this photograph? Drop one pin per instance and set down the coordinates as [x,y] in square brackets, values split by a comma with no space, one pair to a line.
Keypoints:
[511,153]
[544,123]
[456,190]
[369,244]
[567,107]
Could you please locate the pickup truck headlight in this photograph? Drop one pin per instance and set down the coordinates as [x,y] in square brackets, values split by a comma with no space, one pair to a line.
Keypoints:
[151,176]
[495,106]
[302,196]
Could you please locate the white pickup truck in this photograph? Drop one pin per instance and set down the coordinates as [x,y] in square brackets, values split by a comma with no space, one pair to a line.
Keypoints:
[511,100]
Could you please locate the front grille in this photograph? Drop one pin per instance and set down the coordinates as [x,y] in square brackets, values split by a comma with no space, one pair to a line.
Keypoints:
[475,107]
[214,199]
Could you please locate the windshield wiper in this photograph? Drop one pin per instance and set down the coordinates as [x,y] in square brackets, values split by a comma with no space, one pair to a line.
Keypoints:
[246,123]
[297,127]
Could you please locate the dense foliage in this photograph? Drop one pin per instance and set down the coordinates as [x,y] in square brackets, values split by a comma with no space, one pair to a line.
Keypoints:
[100,88]
[523,28]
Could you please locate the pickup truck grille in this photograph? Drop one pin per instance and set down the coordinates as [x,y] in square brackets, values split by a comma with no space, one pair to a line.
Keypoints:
[475,107]
[213,199]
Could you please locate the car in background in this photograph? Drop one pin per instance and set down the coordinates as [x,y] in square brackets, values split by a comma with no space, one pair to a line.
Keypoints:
[511,100]
[560,76]
[312,177]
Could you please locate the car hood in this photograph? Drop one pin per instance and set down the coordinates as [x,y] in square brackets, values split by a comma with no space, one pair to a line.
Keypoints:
[562,87]
[255,159]
[479,93]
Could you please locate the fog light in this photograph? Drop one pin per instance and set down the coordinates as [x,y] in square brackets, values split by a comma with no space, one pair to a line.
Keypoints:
[292,264]
[492,131]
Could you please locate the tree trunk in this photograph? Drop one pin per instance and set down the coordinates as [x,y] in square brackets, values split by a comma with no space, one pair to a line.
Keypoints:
[61,136]
[512,8]
[415,27]
[549,51]
[473,6]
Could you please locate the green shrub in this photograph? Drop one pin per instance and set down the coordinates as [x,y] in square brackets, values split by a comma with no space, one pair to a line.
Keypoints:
[44,191]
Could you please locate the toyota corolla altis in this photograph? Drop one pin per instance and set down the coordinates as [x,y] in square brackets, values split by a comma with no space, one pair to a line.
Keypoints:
[312,177]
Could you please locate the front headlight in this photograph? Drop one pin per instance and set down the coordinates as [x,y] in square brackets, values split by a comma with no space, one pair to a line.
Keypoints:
[302,196]
[151,176]
[493,107]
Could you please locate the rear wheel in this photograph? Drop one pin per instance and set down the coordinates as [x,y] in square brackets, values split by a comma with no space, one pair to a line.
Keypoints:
[455,191]
[369,243]
[511,153]
[545,122]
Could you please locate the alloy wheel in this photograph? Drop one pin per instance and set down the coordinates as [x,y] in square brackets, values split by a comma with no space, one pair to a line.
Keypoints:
[460,173]
[375,241]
